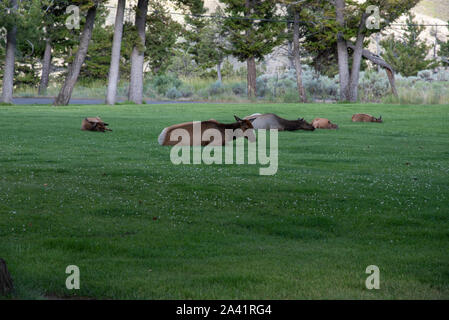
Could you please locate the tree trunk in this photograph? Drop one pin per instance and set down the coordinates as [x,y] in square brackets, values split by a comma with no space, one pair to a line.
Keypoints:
[114,68]
[8,75]
[356,61]
[390,75]
[378,49]
[297,58]
[250,61]
[251,77]
[380,62]
[342,50]
[290,55]
[219,71]
[137,56]
[65,94]
[46,65]
[6,285]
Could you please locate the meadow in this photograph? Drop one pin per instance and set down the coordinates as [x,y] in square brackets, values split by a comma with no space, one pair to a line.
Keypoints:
[139,227]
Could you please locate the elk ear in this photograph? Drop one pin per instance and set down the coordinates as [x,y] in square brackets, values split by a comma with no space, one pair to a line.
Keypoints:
[237,118]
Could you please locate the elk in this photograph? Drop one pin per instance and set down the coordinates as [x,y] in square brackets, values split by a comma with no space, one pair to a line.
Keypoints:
[94,124]
[184,133]
[363,117]
[269,121]
[323,123]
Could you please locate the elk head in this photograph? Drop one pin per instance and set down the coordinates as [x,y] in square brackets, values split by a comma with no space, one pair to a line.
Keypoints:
[244,124]
[304,125]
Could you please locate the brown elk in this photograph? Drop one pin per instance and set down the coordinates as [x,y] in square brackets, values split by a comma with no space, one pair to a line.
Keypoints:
[94,124]
[363,117]
[221,133]
[269,121]
[323,123]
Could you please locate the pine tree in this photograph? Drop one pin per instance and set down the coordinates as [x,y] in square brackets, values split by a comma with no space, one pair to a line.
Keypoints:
[114,66]
[11,40]
[74,68]
[253,36]
[135,92]
[55,38]
[443,52]
[407,53]
[162,34]
[98,58]
[332,28]
[212,44]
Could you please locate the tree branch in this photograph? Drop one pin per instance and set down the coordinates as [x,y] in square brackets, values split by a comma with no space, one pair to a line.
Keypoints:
[374,58]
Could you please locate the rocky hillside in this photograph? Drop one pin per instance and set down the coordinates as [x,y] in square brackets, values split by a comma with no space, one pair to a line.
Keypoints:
[438,9]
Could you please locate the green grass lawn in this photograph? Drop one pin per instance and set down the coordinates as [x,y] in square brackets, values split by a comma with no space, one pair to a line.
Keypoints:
[140,227]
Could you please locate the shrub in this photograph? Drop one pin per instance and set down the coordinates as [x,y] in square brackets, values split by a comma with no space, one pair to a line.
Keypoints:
[216,88]
[373,85]
[319,86]
[442,75]
[186,90]
[437,75]
[262,86]
[173,93]
[163,82]
[425,75]
[239,88]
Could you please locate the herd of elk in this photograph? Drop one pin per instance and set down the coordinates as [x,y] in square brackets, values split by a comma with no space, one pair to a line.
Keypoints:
[171,136]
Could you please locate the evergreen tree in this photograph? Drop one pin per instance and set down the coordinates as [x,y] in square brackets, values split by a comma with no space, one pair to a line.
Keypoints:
[195,24]
[74,68]
[162,34]
[443,52]
[114,66]
[98,58]
[135,92]
[407,53]
[336,26]
[212,44]
[254,35]
[54,39]
[8,16]
[296,31]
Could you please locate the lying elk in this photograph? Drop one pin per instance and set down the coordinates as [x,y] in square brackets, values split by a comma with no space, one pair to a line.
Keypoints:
[183,134]
[323,123]
[269,121]
[363,117]
[94,124]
